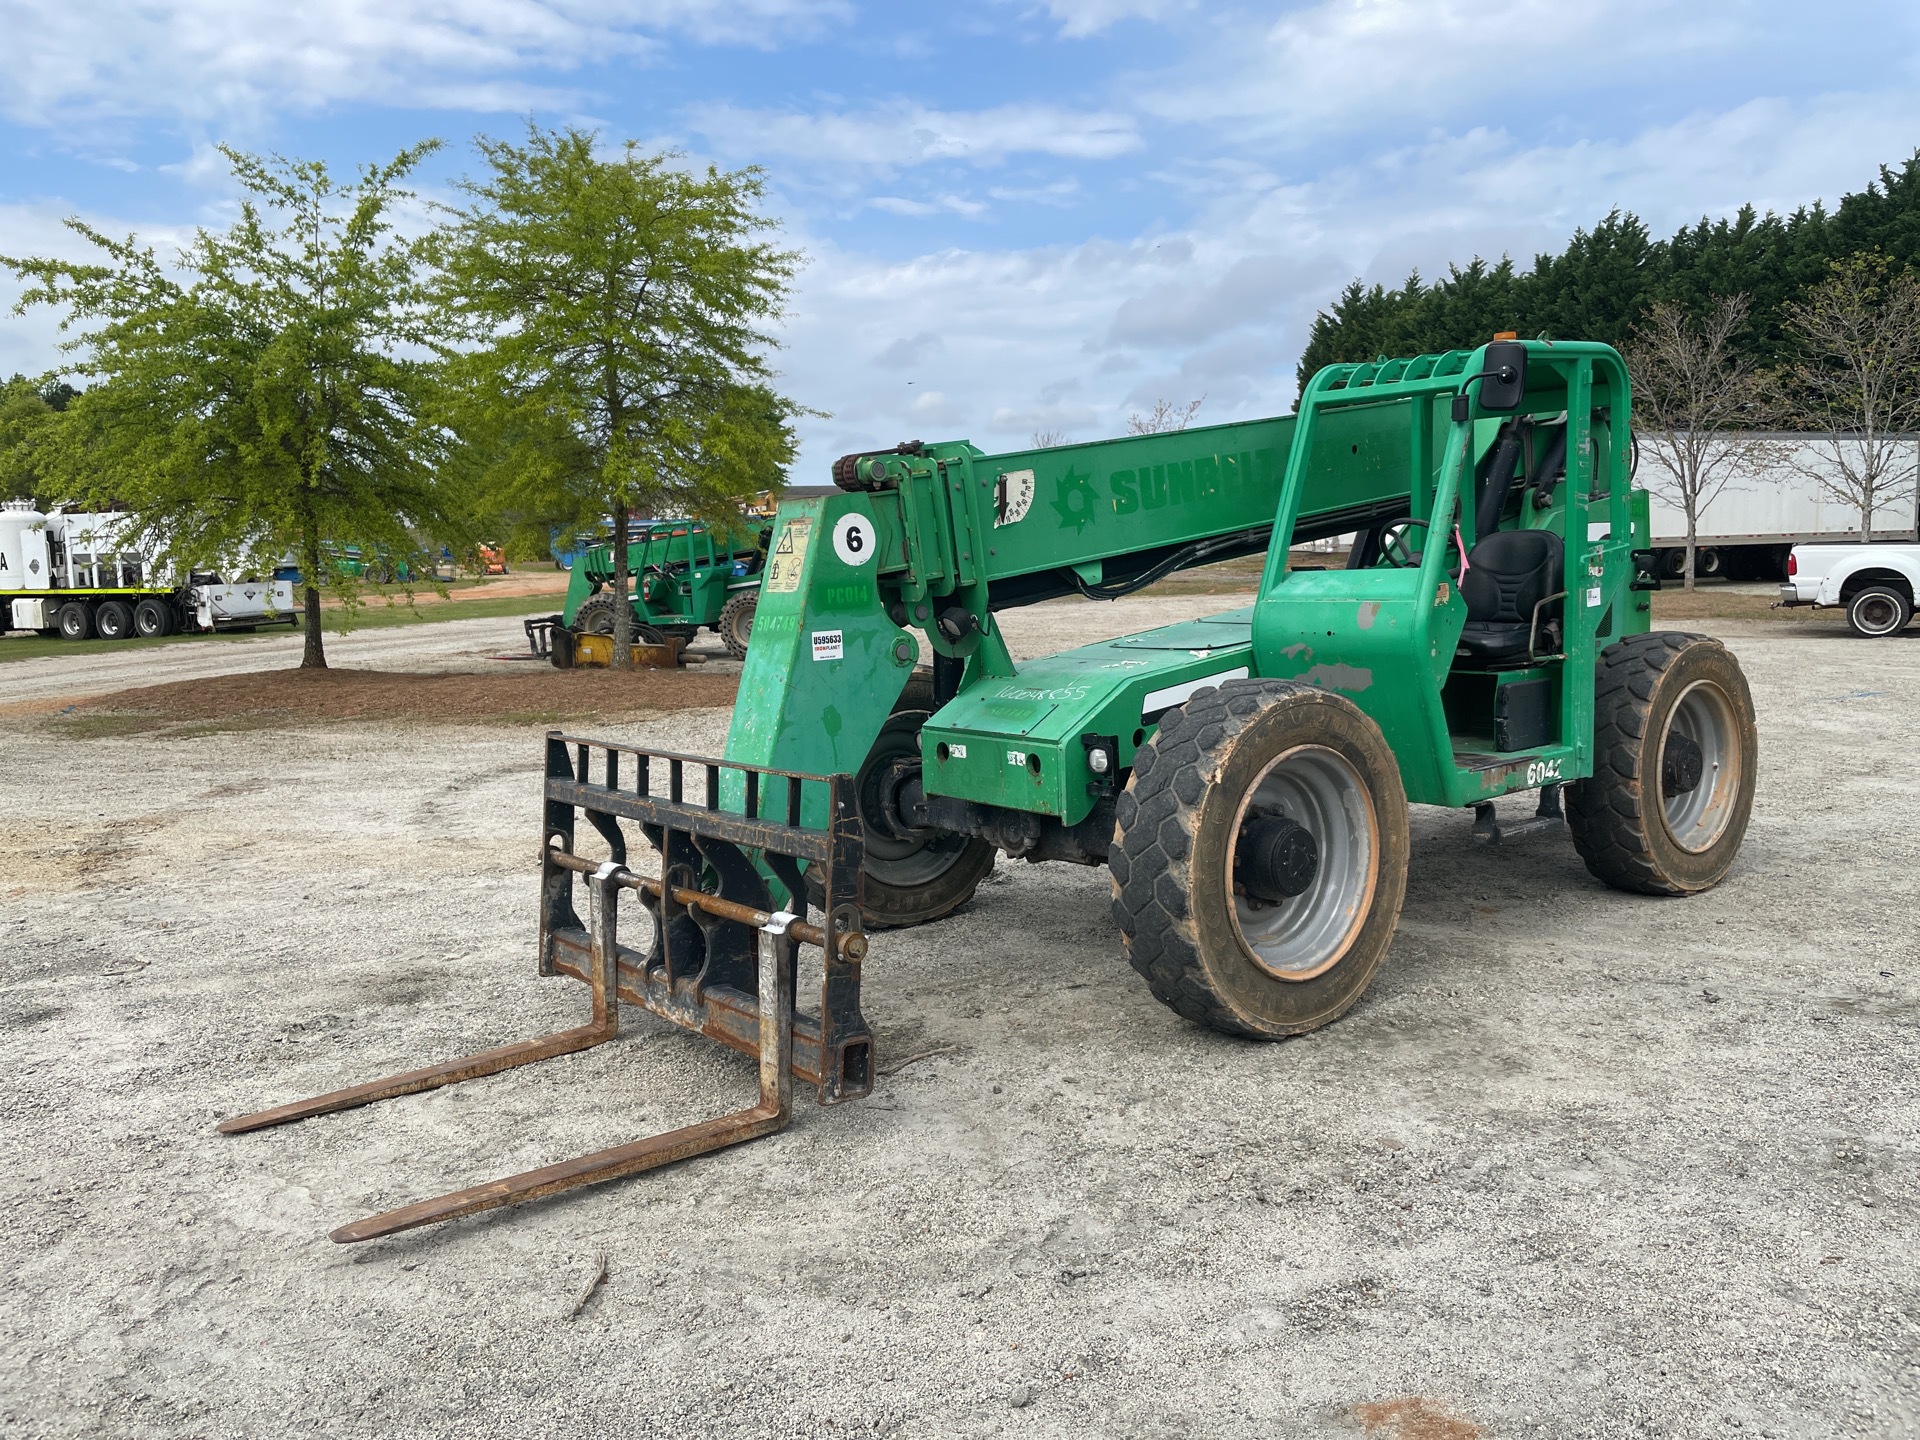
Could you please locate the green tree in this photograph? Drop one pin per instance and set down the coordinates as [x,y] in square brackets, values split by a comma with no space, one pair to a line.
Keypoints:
[1603,284]
[27,421]
[614,310]
[266,393]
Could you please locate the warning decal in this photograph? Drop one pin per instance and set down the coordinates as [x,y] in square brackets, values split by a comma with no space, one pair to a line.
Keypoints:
[1012,497]
[789,556]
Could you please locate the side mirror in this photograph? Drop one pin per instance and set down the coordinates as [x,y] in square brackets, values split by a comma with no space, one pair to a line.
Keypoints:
[1503,384]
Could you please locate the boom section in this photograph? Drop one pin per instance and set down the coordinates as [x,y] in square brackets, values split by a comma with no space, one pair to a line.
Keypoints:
[1110,515]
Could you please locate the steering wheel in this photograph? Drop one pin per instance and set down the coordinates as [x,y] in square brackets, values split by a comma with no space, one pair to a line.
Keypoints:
[1395,552]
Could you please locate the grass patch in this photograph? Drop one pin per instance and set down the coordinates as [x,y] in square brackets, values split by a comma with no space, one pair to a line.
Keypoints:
[375,615]
[125,723]
[36,647]
[106,727]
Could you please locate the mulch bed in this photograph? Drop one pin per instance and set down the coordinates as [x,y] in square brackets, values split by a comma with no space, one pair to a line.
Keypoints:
[446,698]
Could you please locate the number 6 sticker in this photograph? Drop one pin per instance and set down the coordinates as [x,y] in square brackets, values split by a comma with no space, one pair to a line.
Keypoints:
[853,539]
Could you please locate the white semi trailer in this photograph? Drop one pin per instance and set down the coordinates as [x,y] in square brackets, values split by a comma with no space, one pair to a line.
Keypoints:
[76,576]
[1747,530]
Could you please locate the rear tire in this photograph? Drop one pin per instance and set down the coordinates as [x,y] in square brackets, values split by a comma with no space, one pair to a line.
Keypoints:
[912,882]
[1675,755]
[736,623]
[1247,753]
[1878,611]
[74,620]
[113,620]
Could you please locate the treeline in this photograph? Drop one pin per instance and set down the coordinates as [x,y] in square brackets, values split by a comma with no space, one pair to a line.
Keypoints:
[1606,281]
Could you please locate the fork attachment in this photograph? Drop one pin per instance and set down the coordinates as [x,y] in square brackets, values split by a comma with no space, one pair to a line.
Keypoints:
[721,957]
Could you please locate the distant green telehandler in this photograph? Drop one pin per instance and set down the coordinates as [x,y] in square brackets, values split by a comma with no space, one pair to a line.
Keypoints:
[680,580]
[1245,777]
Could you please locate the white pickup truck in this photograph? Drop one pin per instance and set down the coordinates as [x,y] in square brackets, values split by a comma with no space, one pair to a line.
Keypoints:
[1877,583]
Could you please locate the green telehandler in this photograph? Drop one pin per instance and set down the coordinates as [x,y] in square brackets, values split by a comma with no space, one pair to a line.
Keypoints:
[1245,777]
[681,579]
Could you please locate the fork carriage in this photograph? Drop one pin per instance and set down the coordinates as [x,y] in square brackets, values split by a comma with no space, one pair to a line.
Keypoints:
[721,954]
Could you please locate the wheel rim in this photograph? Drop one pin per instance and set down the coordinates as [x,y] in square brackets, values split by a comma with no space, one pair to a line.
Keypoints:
[902,862]
[1698,817]
[1307,934]
[1876,613]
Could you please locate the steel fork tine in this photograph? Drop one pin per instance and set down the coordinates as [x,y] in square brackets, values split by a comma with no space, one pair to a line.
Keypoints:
[604,885]
[771,1112]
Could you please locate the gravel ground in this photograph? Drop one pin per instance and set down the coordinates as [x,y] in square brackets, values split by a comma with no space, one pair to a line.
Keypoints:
[1580,1164]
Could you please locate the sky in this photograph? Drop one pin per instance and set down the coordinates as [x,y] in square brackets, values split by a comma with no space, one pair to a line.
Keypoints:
[1018,215]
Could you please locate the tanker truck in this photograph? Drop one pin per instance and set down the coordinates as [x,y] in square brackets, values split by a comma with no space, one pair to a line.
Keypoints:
[78,576]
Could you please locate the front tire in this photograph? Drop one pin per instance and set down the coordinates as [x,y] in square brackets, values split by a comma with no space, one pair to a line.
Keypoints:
[1288,949]
[597,614]
[911,880]
[1675,756]
[1878,611]
[736,623]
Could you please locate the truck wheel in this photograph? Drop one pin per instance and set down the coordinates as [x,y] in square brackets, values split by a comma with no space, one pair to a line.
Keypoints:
[150,620]
[1675,753]
[1878,611]
[1260,857]
[75,620]
[736,623]
[914,880]
[113,620]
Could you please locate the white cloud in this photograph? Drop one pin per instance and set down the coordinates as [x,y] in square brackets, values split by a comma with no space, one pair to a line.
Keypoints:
[1080,18]
[1365,65]
[1072,337]
[889,138]
[945,205]
[220,59]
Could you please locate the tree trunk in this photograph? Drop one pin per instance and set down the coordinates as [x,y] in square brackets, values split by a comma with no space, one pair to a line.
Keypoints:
[622,608]
[1693,530]
[314,655]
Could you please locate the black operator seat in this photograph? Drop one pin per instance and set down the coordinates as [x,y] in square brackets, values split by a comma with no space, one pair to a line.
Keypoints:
[1508,573]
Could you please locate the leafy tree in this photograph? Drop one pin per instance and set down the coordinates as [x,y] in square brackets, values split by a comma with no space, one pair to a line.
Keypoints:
[27,420]
[1696,400]
[615,307]
[271,397]
[1856,381]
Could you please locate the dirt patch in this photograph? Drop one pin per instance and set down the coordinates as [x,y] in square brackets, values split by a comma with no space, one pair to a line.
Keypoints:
[532,694]
[494,587]
[1413,1417]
